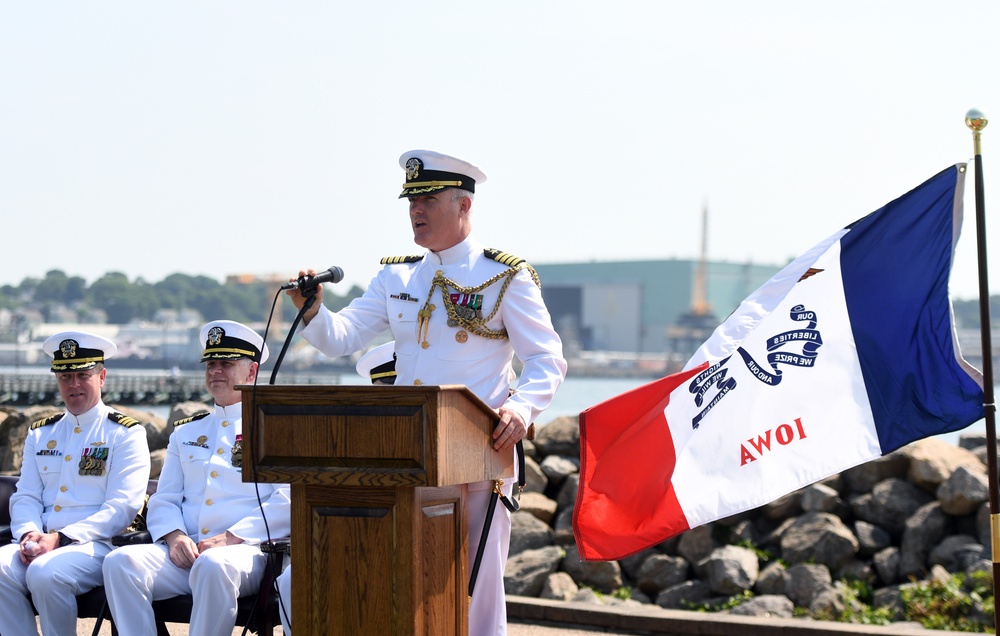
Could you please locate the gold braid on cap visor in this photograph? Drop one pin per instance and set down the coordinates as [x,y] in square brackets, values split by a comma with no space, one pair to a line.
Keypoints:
[419,187]
[238,352]
[75,361]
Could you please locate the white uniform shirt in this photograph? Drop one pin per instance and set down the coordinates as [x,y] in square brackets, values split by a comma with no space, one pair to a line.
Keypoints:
[453,356]
[89,500]
[201,491]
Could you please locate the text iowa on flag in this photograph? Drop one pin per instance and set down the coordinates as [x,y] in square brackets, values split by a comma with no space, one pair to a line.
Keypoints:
[846,354]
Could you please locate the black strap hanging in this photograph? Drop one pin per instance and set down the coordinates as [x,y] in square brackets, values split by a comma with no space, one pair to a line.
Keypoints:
[510,504]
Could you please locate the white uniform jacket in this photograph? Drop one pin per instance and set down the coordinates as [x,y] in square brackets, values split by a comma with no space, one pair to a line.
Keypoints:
[201,489]
[453,355]
[83,475]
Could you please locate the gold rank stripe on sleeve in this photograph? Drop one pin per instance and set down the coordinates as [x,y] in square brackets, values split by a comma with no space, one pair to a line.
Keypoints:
[121,418]
[47,421]
[200,415]
[396,260]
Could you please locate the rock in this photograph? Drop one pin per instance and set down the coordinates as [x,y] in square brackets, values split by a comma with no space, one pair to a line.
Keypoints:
[563,527]
[963,491]
[16,425]
[534,479]
[957,552]
[863,477]
[925,529]
[871,538]
[156,462]
[696,544]
[820,498]
[731,569]
[538,505]
[559,586]
[660,571]
[684,595]
[526,573]
[933,460]
[603,576]
[528,532]
[886,562]
[771,580]
[819,537]
[889,504]
[556,468]
[561,436]
[803,582]
[567,492]
[766,606]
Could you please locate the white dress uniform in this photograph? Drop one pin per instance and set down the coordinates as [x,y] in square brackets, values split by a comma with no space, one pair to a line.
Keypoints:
[200,491]
[431,351]
[84,476]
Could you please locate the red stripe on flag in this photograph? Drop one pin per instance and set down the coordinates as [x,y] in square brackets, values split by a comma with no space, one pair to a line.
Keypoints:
[626,501]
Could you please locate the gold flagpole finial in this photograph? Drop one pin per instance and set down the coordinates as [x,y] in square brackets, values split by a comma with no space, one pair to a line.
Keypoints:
[976,121]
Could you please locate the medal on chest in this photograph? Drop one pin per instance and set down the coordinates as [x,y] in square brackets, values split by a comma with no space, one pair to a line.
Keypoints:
[464,308]
[237,452]
[94,459]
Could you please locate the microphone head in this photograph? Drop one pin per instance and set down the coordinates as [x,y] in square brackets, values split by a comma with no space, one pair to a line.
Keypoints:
[336,274]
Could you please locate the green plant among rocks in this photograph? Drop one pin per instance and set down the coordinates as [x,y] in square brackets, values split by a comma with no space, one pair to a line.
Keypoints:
[959,603]
[858,598]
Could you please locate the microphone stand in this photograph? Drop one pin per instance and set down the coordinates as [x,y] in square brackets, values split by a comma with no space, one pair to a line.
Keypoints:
[310,301]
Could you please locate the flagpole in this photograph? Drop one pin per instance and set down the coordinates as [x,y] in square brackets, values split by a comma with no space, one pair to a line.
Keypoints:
[976,121]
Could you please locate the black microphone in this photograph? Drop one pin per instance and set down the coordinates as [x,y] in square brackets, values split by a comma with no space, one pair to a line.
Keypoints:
[305,283]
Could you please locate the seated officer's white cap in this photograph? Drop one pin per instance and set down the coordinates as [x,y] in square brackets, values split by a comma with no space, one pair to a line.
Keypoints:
[228,340]
[379,363]
[78,350]
[428,171]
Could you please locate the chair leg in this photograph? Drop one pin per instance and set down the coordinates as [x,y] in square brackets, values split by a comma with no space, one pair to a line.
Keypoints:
[100,620]
[161,629]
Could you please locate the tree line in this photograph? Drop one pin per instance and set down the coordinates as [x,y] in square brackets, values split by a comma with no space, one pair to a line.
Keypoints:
[119,300]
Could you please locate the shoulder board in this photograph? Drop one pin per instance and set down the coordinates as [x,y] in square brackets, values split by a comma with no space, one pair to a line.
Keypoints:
[503,257]
[49,420]
[121,418]
[396,260]
[200,415]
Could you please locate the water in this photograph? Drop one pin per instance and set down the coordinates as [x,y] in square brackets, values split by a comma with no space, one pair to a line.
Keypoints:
[575,395]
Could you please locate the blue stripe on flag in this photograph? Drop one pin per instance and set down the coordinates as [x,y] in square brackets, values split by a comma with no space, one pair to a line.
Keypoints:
[895,265]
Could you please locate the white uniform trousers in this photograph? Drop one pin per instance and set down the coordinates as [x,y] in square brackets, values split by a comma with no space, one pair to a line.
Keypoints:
[285,596]
[488,610]
[137,575]
[53,580]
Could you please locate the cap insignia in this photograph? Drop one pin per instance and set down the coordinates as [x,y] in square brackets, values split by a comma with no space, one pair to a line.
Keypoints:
[413,167]
[215,336]
[68,348]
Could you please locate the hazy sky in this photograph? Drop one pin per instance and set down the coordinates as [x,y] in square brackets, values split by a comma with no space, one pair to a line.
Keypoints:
[215,138]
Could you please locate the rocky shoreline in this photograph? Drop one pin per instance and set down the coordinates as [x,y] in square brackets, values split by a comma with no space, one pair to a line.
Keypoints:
[919,514]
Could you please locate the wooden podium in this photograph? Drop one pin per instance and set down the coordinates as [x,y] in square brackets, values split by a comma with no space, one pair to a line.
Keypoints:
[378,474]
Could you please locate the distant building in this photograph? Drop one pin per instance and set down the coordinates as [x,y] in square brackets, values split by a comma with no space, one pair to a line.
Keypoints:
[633,306]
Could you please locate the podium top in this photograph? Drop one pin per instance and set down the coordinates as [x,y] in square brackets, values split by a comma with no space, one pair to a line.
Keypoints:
[434,435]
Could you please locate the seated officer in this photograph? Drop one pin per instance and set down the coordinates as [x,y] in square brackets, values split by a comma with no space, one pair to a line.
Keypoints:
[378,365]
[83,479]
[207,523]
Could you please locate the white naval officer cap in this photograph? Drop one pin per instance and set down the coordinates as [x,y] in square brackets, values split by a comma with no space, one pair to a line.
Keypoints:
[228,340]
[379,364]
[428,171]
[77,350]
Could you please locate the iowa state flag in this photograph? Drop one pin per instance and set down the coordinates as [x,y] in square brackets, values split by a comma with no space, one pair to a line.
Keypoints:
[843,356]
